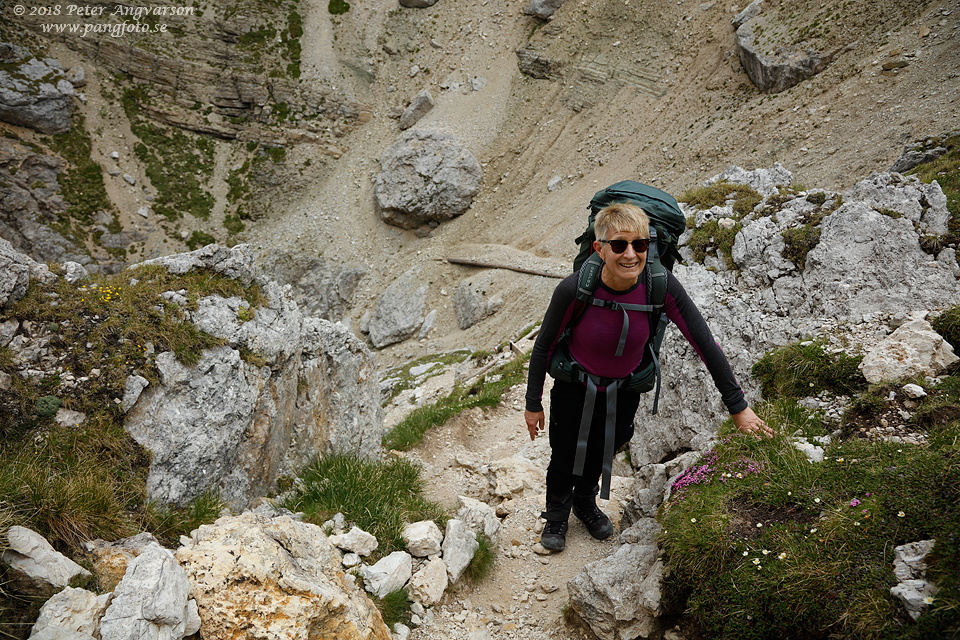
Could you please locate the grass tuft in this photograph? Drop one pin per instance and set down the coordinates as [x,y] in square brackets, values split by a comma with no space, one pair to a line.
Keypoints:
[484,392]
[807,368]
[395,607]
[483,560]
[380,497]
[762,543]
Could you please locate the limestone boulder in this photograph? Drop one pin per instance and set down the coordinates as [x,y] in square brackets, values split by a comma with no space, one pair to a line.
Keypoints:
[422,539]
[400,310]
[152,600]
[912,349]
[426,176]
[475,299]
[763,181]
[459,546]
[480,517]
[920,203]
[321,288]
[774,66]
[236,424]
[35,567]
[16,270]
[71,611]
[275,578]
[389,574]
[110,559]
[421,104]
[355,541]
[429,583]
[619,596]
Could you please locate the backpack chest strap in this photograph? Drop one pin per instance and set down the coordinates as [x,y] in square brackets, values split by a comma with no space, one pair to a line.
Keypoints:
[623,306]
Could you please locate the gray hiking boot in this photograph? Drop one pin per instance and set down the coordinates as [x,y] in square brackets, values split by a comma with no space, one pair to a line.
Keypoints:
[554,536]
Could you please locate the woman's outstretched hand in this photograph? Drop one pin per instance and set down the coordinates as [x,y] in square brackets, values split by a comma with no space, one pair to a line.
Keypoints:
[749,423]
[535,421]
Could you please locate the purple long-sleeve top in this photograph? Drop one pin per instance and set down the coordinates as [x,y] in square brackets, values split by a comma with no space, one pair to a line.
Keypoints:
[593,343]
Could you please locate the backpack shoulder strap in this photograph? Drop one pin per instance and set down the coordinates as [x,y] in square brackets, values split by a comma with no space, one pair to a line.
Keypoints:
[587,283]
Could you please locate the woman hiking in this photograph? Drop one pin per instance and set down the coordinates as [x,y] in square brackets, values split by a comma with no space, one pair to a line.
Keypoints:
[609,348]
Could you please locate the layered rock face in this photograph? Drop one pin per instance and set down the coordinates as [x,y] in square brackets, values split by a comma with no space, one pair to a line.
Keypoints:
[285,388]
[34,92]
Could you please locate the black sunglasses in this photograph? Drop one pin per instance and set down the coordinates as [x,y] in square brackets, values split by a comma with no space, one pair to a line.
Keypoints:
[619,246]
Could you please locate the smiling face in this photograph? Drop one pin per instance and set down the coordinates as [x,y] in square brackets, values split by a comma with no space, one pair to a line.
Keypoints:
[620,270]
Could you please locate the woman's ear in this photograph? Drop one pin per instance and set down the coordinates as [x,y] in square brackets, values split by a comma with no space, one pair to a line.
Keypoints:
[597,245]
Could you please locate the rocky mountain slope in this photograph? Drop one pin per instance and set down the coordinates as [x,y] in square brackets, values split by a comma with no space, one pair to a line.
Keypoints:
[292,109]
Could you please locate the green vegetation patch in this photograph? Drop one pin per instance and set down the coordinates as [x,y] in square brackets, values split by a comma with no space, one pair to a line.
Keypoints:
[947,324]
[178,164]
[798,242]
[81,182]
[762,543]
[716,195]
[338,7]
[711,238]
[805,369]
[104,330]
[485,391]
[395,607]
[428,366]
[380,497]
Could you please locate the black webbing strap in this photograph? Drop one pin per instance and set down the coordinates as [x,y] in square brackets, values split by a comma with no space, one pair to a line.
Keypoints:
[610,429]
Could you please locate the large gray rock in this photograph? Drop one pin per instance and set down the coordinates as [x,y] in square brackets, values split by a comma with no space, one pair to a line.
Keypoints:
[924,204]
[234,423]
[752,11]
[35,93]
[152,601]
[543,9]
[389,574]
[274,578]
[426,176]
[763,181]
[322,288]
[399,311]
[30,201]
[474,300]
[774,68]
[867,262]
[35,567]
[459,546]
[16,270]
[619,596]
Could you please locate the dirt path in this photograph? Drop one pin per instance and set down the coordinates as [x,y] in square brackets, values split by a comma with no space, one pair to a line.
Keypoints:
[525,595]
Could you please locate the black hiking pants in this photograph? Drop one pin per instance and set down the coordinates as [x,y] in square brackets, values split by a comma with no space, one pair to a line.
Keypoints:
[566,410]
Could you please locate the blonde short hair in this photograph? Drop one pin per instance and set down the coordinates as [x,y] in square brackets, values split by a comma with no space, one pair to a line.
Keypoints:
[621,216]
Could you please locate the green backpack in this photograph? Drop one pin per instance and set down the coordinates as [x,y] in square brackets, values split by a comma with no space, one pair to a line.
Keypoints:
[667,223]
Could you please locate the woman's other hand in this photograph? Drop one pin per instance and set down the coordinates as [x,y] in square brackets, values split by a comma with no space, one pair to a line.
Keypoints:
[535,422]
[749,423]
